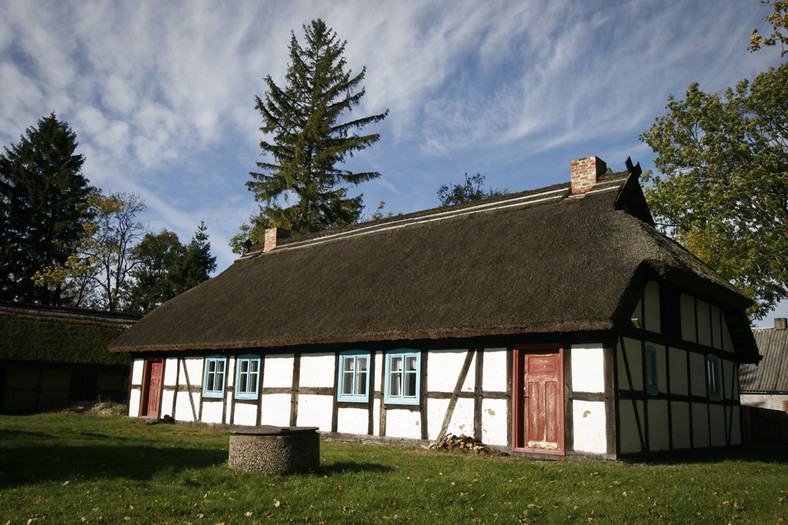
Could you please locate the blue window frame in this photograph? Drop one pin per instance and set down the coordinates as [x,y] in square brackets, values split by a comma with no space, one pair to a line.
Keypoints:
[650,361]
[713,377]
[213,376]
[247,376]
[403,377]
[353,377]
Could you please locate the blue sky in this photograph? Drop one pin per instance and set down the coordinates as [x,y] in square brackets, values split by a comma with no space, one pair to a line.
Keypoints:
[161,94]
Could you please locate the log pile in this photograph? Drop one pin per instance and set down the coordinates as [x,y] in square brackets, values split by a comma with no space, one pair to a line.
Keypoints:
[463,442]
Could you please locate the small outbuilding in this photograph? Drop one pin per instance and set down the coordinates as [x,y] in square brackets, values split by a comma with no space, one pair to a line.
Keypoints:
[557,321]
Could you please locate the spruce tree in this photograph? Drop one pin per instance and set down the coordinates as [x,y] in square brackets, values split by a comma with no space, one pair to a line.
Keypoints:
[310,139]
[43,197]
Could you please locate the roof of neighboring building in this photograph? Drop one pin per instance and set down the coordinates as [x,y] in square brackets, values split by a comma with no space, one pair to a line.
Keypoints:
[541,261]
[59,335]
[770,376]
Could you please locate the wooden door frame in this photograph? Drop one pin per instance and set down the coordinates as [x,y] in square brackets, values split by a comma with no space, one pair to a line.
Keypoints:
[518,437]
[145,393]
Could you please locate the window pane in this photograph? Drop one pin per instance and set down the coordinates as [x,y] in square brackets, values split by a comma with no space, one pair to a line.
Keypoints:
[395,381]
[211,380]
[410,384]
[347,383]
[348,364]
[361,383]
[243,387]
[243,366]
[396,363]
[362,364]
[410,361]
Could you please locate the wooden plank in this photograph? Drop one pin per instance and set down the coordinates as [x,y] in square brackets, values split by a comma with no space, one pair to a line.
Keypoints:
[334,406]
[477,395]
[294,389]
[177,379]
[611,375]
[457,388]
[423,396]
[569,415]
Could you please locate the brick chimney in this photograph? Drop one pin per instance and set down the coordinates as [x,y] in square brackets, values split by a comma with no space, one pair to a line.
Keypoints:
[272,236]
[585,173]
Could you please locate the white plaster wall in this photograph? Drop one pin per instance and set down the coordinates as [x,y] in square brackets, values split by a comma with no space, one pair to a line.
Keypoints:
[461,421]
[730,380]
[278,372]
[212,411]
[436,408]
[678,371]
[658,428]
[687,317]
[588,368]
[403,424]
[379,370]
[229,378]
[494,379]
[376,407]
[628,429]
[717,430]
[165,409]
[662,368]
[716,327]
[634,357]
[651,294]
[698,374]
[590,433]
[727,342]
[495,430]
[137,367]
[183,408]
[170,371]
[245,414]
[315,411]
[767,401]
[443,370]
[317,370]
[700,425]
[680,412]
[704,322]
[352,420]
[275,409]
[134,402]
[193,370]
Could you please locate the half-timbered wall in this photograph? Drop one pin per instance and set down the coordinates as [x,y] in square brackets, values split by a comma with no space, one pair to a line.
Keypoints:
[676,376]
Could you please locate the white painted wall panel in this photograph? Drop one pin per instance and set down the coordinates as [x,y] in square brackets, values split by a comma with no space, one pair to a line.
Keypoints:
[688,317]
[495,430]
[698,374]
[717,428]
[192,370]
[212,411]
[634,358]
[315,411]
[494,379]
[229,378]
[443,370]
[165,409]
[376,380]
[183,408]
[134,402]
[317,370]
[275,409]
[170,371]
[700,425]
[704,322]
[436,408]
[137,367]
[769,402]
[352,420]
[245,414]
[729,379]
[278,372]
[628,426]
[462,419]
[658,428]
[680,413]
[403,424]
[716,327]
[590,432]
[651,304]
[727,342]
[376,406]
[588,368]
[678,371]
[662,368]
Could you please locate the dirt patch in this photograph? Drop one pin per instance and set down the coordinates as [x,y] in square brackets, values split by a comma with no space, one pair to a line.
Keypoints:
[98,408]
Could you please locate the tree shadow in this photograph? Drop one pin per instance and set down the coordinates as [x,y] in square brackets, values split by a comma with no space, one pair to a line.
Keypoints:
[760,453]
[343,467]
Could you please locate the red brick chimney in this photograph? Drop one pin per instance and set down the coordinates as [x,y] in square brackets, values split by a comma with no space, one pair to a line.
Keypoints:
[585,173]
[272,236]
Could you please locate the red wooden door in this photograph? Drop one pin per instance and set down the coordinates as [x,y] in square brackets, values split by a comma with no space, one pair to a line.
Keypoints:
[152,389]
[539,403]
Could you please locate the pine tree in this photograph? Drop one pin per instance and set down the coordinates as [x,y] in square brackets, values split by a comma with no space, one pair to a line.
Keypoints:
[43,201]
[309,140]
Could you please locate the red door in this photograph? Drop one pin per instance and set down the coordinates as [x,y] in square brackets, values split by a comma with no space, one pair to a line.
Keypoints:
[539,400]
[151,392]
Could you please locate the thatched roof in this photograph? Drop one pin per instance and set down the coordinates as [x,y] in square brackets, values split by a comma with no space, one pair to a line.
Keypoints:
[534,262]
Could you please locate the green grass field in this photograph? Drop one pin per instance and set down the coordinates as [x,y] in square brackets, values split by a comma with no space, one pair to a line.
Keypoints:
[79,468]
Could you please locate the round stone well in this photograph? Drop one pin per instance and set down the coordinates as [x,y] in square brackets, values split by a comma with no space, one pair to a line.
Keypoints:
[275,450]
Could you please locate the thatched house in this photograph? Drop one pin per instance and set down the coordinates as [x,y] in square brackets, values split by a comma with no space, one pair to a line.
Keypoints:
[52,357]
[555,321]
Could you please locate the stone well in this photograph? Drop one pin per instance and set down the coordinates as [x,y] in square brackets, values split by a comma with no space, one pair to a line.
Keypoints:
[275,450]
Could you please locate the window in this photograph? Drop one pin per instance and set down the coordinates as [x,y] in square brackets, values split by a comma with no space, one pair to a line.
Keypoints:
[247,376]
[713,377]
[403,368]
[213,380]
[353,377]
[652,387]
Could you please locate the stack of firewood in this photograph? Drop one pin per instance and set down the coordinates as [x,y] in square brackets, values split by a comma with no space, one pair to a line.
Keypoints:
[463,442]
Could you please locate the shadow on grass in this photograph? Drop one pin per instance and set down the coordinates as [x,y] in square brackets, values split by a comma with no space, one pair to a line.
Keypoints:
[760,453]
[344,467]
[32,464]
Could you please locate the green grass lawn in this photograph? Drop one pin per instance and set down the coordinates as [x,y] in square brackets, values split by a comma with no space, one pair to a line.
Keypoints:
[79,468]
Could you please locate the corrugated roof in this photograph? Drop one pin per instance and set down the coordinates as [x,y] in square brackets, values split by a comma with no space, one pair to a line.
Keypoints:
[536,262]
[770,376]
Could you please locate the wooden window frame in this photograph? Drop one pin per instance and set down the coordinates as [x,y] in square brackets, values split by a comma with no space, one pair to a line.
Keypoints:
[252,390]
[354,356]
[714,377]
[402,399]
[214,393]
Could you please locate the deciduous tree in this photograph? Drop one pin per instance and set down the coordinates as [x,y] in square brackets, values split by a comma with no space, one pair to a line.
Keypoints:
[470,190]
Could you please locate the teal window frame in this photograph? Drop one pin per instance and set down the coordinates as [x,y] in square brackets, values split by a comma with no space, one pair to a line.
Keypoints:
[714,377]
[214,376]
[247,376]
[353,381]
[652,377]
[403,377]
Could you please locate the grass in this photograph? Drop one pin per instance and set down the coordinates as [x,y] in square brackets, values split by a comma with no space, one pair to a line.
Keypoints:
[81,468]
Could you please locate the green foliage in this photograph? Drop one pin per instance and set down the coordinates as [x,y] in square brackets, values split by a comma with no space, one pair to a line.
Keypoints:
[166,268]
[91,469]
[43,196]
[310,140]
[722,190]
[779,21]
[468,191]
